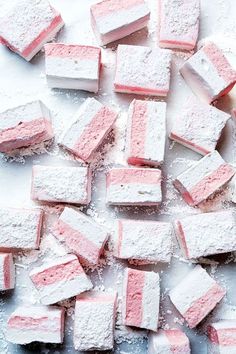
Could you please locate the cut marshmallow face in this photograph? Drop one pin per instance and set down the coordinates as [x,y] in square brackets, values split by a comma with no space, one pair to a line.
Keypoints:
[196,295]
[7,272]
[29,324]
[24,126]
[208,73]
[134,186]
[94,321]
[203,179]
[142,70]
[73,66]
[171,341]
[28,25]
[178,23]
[112,19]
[90,127]
[222,337]
[146,133]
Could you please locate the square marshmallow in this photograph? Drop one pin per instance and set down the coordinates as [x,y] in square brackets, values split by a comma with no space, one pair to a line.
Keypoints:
[94,324]
[28,25]
[7,272]
[112,19]
[73,66]
[134,186]
[60,279]
[146,133]
[204,178]
[90,126]
[141,297]
[168,341]
[29,324]
[178,23]
[142,70]
[208,73]
[222,337]
[196,296]
[61,184]
[25,125]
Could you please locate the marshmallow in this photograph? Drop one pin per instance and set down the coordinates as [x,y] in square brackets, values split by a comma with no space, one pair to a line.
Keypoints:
[142,70]
[196,296]
[24,126]
[233,113]
[222,337]
[203,179]
[94,321]
[72,66]
[178,23]
[146,133]
[208,73]
[233,189]
[144,241]
[134,186]
[206,234]
[91,124]
[61,184]
[199,126]
[112,19]
[29,324]
[60,279]
[141,297]
[28,25]
[20,229]
[172,341]
[7,272]
[81,235]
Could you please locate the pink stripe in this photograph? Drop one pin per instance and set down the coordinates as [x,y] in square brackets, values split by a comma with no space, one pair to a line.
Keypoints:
[189,44]
[181,236]
[138,128]
[224,337]
[138,89]
[72,51]
[134,175]
[189,143]
[108,7]
[42,324]
[6,270]
[177,339]
[98,298]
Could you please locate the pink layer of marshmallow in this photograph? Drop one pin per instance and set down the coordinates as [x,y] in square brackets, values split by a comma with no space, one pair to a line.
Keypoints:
[72,51]
[106,7]
[117,176]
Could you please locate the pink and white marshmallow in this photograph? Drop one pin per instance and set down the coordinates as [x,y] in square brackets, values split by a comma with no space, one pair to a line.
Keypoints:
[20,229]
[134,186]
[141,297]
[90,126]
[29,324]
[178,23]
[81,235]
[222,337]
[24,126]
[146,133]
[204,178]
[7,272]
[28,25]
[196,296]
[61,184]
[73,66]
[144,241]
[142,70]
[95,314]
[208,73]
[60,279]
[171,341]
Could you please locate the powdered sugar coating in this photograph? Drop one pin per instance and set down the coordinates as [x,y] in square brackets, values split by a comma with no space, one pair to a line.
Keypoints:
[222,337]
[168,342]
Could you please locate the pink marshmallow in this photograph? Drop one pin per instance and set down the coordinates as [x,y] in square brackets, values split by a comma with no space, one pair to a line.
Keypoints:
[171,341]
[7,272]
[222,337]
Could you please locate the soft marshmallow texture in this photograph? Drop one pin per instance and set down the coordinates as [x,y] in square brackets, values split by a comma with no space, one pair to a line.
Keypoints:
[172,341]
[222,337]
[7,271]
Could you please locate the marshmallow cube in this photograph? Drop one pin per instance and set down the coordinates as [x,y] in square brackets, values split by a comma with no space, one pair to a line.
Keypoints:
[222,337]
[94,324]
[24,126]
[60,279]
[208,73]
[28,25]
[61,184]
[203,179]
[142,70]
[20,229]
[141,297]
[168,341]
[196,296]
[144,241]
[178,23]
[81,235]
[112,20]
[72,66]
[7,272]
[206,234]
[146,133]
[199,126]
[134,186]
[91,125]
[29,324]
